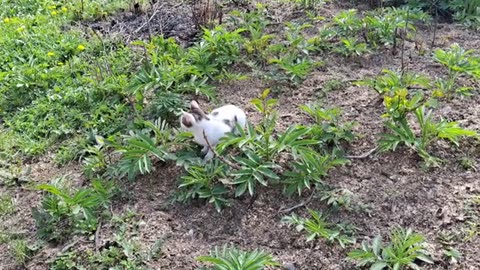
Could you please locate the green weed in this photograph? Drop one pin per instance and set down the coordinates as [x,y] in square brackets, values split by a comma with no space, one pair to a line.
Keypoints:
[48,87]
[401,133]
[22,251]
[255,24]
[230,258]
[327,128]
[464,11]
[318,227]
[351,47]
[452,255]
[458,61]
[123,251]
[64,210]
[141,148]
[204,182]
[7,205]
[333,85]
[393,81]
[405,248]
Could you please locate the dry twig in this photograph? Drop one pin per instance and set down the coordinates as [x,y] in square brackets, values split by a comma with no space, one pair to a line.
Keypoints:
[303,203]
[235,166]
[157,9]
[97,237]
[364,155]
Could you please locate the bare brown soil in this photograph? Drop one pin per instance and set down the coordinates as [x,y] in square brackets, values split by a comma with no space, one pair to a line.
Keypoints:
[394,186]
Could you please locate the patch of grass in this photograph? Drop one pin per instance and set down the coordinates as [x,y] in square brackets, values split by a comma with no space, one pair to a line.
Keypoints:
[58,83]
[21,250]
[7,205]
[123,250]
[333,85]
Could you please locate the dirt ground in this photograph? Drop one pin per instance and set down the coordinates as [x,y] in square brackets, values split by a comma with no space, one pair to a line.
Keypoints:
[394,188]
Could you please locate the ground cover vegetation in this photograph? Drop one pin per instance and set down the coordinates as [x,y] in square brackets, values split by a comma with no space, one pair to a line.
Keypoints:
[95,172]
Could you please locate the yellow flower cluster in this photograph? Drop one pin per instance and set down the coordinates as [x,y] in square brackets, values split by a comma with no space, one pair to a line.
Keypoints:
[54,11]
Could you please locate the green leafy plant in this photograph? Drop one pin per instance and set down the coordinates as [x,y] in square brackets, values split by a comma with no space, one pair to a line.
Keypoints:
[347,22]
[21,250]
[464,11]
[392,81]
[308,171]
[205,182]
[336,198]
[7,205]
[121,251]
[292,57]
[452,254]
[383,25]
[230,258]
[318,227]
[255,24]
[351,47]
[167,106]
[296,69]
[140,148]
[309,4]
[429,132]
[458,61]
[328,129]
[63,209]
[404,249]
[252,170]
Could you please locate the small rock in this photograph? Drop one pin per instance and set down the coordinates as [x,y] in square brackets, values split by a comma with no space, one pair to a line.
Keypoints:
[289,266]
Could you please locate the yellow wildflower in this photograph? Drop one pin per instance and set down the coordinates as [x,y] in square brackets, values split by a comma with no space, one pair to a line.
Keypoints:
[438,93]
[6,20]
[388,101]
[50,53]
[81,47]
[60,63]
[64,9]
[53,13]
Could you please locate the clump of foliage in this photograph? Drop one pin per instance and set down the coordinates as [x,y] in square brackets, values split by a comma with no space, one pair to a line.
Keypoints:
[464,11]
[22,251]
[174,69]
[405,249]
[139,149]
[123,251]
[403,95]
[6,204]
[353,35]
[318,227]
[292,61]
[255,24]
[204,182]
[64,210]
[457,61]
[430,130]
[230,258]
